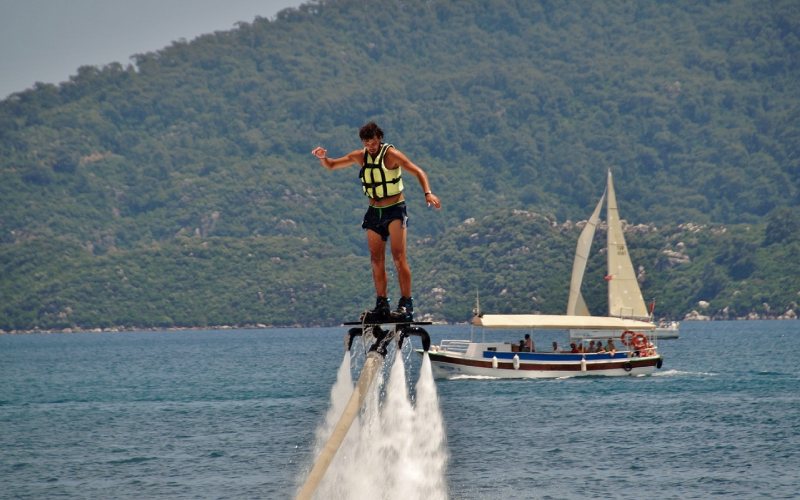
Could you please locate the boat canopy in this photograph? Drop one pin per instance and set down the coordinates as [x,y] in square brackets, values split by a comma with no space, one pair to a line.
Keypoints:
[559,322]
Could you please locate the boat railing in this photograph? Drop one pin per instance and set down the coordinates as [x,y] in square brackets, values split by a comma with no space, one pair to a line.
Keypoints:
[455,345]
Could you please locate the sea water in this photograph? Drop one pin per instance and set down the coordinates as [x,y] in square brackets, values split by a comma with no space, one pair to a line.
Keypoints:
[242,413]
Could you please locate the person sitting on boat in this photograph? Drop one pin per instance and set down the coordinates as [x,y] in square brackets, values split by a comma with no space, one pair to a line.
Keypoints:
[555,346]
[528,343]
[611,347]
[598,347]
[522,346]
[591,346]
[574,347]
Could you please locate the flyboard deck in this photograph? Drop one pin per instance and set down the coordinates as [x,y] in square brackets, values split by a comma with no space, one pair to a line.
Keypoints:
[396,329]
[387,322]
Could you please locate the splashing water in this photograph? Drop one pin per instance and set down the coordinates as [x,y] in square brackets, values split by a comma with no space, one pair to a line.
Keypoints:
[395,450]
[340,392]
[430,436]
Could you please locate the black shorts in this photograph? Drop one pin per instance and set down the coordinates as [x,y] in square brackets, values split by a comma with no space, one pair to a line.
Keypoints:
[378,219]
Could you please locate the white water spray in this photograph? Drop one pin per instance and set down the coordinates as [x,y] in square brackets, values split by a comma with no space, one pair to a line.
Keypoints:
[340,393]
[430,436]
[395,450]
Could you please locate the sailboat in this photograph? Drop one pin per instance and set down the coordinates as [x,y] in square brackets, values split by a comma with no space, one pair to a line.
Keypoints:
[625,298]
[628,319]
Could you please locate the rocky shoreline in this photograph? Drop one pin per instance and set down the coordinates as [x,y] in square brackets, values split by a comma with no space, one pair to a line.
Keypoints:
[725,315]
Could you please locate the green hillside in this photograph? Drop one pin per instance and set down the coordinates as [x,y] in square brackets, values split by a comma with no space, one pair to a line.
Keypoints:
[179,190]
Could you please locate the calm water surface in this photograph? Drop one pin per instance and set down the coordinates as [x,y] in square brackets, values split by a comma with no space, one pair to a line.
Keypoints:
[232,414]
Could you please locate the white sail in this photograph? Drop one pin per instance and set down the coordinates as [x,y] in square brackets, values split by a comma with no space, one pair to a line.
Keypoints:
[581,309]
[624,296]
[576,306]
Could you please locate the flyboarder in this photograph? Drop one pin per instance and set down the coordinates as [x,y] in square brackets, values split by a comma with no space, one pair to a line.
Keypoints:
[382,166]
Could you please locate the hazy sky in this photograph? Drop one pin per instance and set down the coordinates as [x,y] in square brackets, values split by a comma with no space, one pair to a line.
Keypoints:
[48,40]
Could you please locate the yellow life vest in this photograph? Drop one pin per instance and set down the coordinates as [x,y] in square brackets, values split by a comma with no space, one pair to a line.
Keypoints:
[377,181]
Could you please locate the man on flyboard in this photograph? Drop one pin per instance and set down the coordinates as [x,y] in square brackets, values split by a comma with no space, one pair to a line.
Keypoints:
[381,175]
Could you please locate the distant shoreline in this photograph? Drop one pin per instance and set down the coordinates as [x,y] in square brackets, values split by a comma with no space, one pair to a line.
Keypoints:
[121,329]
[261,326]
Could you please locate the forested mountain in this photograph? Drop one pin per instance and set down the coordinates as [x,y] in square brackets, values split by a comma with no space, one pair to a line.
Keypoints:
[179,190]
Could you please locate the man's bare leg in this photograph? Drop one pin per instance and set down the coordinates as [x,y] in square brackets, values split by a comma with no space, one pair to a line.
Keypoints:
[397,239]
[377,257]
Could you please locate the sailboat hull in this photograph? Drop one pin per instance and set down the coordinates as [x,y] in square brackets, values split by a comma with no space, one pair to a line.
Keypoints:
[668,330]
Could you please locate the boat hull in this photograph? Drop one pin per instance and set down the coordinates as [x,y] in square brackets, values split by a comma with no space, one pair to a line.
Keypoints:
[540,365]
[668,330]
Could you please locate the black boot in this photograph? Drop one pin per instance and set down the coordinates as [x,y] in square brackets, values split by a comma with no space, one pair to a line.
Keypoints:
[380,313]
[405,310]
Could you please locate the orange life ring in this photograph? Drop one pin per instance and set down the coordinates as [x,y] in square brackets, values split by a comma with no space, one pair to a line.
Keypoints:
[626,337]
[639,341]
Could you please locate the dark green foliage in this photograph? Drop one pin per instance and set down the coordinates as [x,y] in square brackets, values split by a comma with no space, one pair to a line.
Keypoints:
[508,105]
[783,226]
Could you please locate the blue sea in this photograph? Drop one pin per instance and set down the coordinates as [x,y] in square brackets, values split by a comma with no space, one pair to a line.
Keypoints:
[235,414]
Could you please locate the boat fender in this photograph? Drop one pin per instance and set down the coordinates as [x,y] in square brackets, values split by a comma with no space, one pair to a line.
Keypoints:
[494,362]
[516,362]
[628,366]
[660,363]
[583,364]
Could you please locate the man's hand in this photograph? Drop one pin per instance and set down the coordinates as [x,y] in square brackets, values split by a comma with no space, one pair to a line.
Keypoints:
[320,152]
[432,200]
